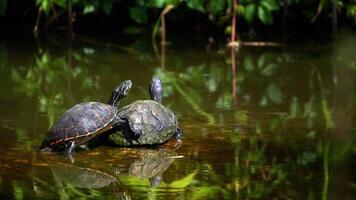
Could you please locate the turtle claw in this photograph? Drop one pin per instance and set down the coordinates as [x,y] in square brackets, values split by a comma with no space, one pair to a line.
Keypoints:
[178,134]
[69,150]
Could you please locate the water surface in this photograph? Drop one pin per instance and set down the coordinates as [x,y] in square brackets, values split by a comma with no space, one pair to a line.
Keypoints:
[259,123]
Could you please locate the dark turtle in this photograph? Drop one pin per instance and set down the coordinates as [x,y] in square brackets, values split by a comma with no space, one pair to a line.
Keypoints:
[84,121]
[148,122]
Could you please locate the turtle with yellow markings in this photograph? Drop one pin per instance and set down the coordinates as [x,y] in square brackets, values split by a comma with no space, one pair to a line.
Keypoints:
[84,121]
[147,122]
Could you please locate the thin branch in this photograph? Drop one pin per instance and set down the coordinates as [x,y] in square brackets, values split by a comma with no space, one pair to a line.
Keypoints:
[318,12]
[163,22]
[35,30]
[233,42]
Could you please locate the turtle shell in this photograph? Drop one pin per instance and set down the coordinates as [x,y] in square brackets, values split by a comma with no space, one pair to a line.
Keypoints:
[149,122]
[80,123]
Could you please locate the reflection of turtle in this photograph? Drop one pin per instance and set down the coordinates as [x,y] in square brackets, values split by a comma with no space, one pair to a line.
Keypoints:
[84,121]
[152,163]
[148,122]
[82,177]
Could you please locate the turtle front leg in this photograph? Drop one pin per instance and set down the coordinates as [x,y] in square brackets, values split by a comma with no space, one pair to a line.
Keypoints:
[123,125]
[178,134]
[69,150]
[117,121]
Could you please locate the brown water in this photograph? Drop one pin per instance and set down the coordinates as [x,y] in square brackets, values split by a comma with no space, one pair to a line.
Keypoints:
[259,123]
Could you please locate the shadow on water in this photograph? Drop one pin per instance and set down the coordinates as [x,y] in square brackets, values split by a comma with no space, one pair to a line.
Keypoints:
[267,122]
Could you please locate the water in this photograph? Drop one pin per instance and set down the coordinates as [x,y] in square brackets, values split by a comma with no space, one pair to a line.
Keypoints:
[259,123]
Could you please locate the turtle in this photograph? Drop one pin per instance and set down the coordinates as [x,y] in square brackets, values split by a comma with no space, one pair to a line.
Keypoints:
[147,122]
[84,121]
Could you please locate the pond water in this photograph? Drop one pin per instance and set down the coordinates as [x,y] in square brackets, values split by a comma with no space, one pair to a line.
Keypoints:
[274,122]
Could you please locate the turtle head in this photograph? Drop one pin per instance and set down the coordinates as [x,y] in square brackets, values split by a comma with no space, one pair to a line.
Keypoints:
[120,92]
[156,90]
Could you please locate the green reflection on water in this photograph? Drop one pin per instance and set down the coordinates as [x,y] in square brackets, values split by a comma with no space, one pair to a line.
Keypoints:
[18,191]
[259,123]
